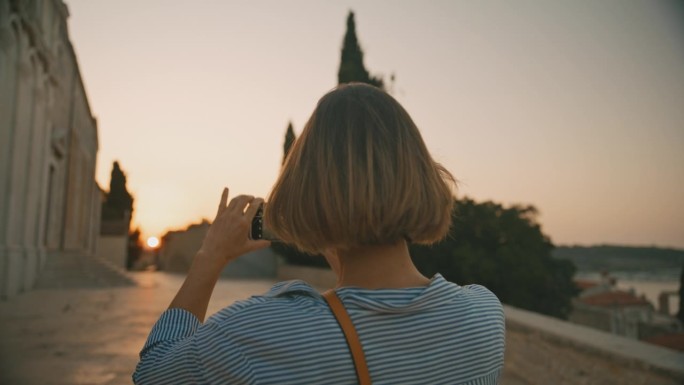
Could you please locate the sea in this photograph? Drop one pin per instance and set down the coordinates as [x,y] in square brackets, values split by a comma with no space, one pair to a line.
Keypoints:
[647,283]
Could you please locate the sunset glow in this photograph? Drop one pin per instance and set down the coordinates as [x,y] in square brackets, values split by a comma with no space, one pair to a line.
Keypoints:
[574,107]
[152,242]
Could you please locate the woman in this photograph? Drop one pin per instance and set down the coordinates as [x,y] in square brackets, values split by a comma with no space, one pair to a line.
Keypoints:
[358,185]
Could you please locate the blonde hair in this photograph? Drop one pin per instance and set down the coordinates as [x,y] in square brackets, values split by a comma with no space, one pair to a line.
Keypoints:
[359,174]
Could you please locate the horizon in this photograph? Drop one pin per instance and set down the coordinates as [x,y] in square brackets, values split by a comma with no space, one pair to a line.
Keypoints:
[573,108]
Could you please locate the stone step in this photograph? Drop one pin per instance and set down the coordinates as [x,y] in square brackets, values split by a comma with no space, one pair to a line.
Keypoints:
[73,270]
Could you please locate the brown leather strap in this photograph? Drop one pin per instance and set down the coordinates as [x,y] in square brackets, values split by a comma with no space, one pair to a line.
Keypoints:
[350,334]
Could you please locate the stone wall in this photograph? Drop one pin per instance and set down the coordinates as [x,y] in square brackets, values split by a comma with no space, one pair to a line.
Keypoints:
[545,350]
[48,144]
[114,249]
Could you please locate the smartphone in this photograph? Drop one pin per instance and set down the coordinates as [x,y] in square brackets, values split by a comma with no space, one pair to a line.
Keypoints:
[259,229]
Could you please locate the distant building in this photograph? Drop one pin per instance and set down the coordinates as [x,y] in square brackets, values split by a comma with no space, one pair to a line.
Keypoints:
[603,307]
[49,201]
[113,241]
[178,248]
[617,312]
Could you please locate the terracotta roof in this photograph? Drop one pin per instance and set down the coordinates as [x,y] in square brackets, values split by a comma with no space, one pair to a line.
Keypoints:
[614,298]
[673,341]
[584,284]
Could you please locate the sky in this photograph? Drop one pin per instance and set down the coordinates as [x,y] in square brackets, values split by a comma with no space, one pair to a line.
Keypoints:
[575,107]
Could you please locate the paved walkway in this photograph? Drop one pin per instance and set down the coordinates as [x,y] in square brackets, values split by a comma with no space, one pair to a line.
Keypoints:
[87,333]
[91,335]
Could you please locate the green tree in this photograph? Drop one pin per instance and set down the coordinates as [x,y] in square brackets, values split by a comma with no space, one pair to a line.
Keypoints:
[351,64]
[289,140]
[295,257]
[118,200]
[504,250]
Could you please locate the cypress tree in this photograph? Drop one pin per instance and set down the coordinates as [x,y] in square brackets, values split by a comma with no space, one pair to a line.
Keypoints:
[289,140]
[118,200]
[351,64]
[351,70]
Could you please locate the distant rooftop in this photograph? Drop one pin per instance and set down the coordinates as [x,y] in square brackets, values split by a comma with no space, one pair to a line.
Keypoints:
[584,284]
[614,298]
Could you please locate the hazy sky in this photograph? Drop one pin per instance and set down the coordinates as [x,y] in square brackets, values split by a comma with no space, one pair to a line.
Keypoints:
[576,107]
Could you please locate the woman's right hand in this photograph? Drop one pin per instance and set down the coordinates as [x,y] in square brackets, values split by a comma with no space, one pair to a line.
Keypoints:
[227,238]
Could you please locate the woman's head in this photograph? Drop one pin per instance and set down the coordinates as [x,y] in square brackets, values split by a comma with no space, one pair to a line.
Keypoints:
[358,175]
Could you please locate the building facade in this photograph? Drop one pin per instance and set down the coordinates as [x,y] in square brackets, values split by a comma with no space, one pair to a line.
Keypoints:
[617,312]
[49,200]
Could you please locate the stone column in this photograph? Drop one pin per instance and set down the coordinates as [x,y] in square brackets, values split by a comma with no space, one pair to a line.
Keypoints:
[72,192]
[46,181]
[34,183]
[19,167]
[55,199]
[86,204]
[9,58]
[59,144]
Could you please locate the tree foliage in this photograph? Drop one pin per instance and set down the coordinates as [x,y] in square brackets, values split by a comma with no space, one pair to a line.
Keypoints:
[295,257]
[504,250]
[351,64]
[118,200]
[289,140]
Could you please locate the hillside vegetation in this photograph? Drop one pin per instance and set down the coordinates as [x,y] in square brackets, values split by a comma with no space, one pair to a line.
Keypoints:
[620,258]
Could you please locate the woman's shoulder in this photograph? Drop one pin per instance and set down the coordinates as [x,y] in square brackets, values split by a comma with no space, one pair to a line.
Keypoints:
[283,297]
[482,300]
[480,292]
[472,301]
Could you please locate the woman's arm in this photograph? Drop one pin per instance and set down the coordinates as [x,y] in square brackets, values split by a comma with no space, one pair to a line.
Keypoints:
[174,346]
[226,240]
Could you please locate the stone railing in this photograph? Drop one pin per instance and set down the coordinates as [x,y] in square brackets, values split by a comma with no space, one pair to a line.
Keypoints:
[546,350]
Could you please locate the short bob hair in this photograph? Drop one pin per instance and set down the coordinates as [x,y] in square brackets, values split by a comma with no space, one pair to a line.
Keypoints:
[359,174]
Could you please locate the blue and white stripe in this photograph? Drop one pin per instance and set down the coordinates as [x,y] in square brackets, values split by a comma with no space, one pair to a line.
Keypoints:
[440,334]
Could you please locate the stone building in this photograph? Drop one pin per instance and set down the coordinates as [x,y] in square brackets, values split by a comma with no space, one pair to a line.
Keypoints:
[49,200]
[615,311]
[179,247]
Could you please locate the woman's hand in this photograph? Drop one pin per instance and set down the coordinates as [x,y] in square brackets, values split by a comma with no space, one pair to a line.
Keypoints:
[226,240]
[227,237]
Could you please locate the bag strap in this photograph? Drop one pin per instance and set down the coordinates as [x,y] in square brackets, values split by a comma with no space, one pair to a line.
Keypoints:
[350,334]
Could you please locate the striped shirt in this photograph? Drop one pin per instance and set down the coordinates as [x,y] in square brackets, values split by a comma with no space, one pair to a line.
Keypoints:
[439,334]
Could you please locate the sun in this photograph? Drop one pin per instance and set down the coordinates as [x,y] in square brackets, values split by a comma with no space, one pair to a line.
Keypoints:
[152,242]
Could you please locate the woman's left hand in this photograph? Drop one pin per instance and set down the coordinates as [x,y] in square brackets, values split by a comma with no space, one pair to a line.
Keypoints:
[227,237]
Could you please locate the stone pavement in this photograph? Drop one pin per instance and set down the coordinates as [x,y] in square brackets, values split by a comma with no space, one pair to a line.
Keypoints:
[92,335]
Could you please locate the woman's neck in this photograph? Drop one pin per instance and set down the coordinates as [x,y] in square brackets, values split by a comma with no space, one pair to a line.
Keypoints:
[376,267]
